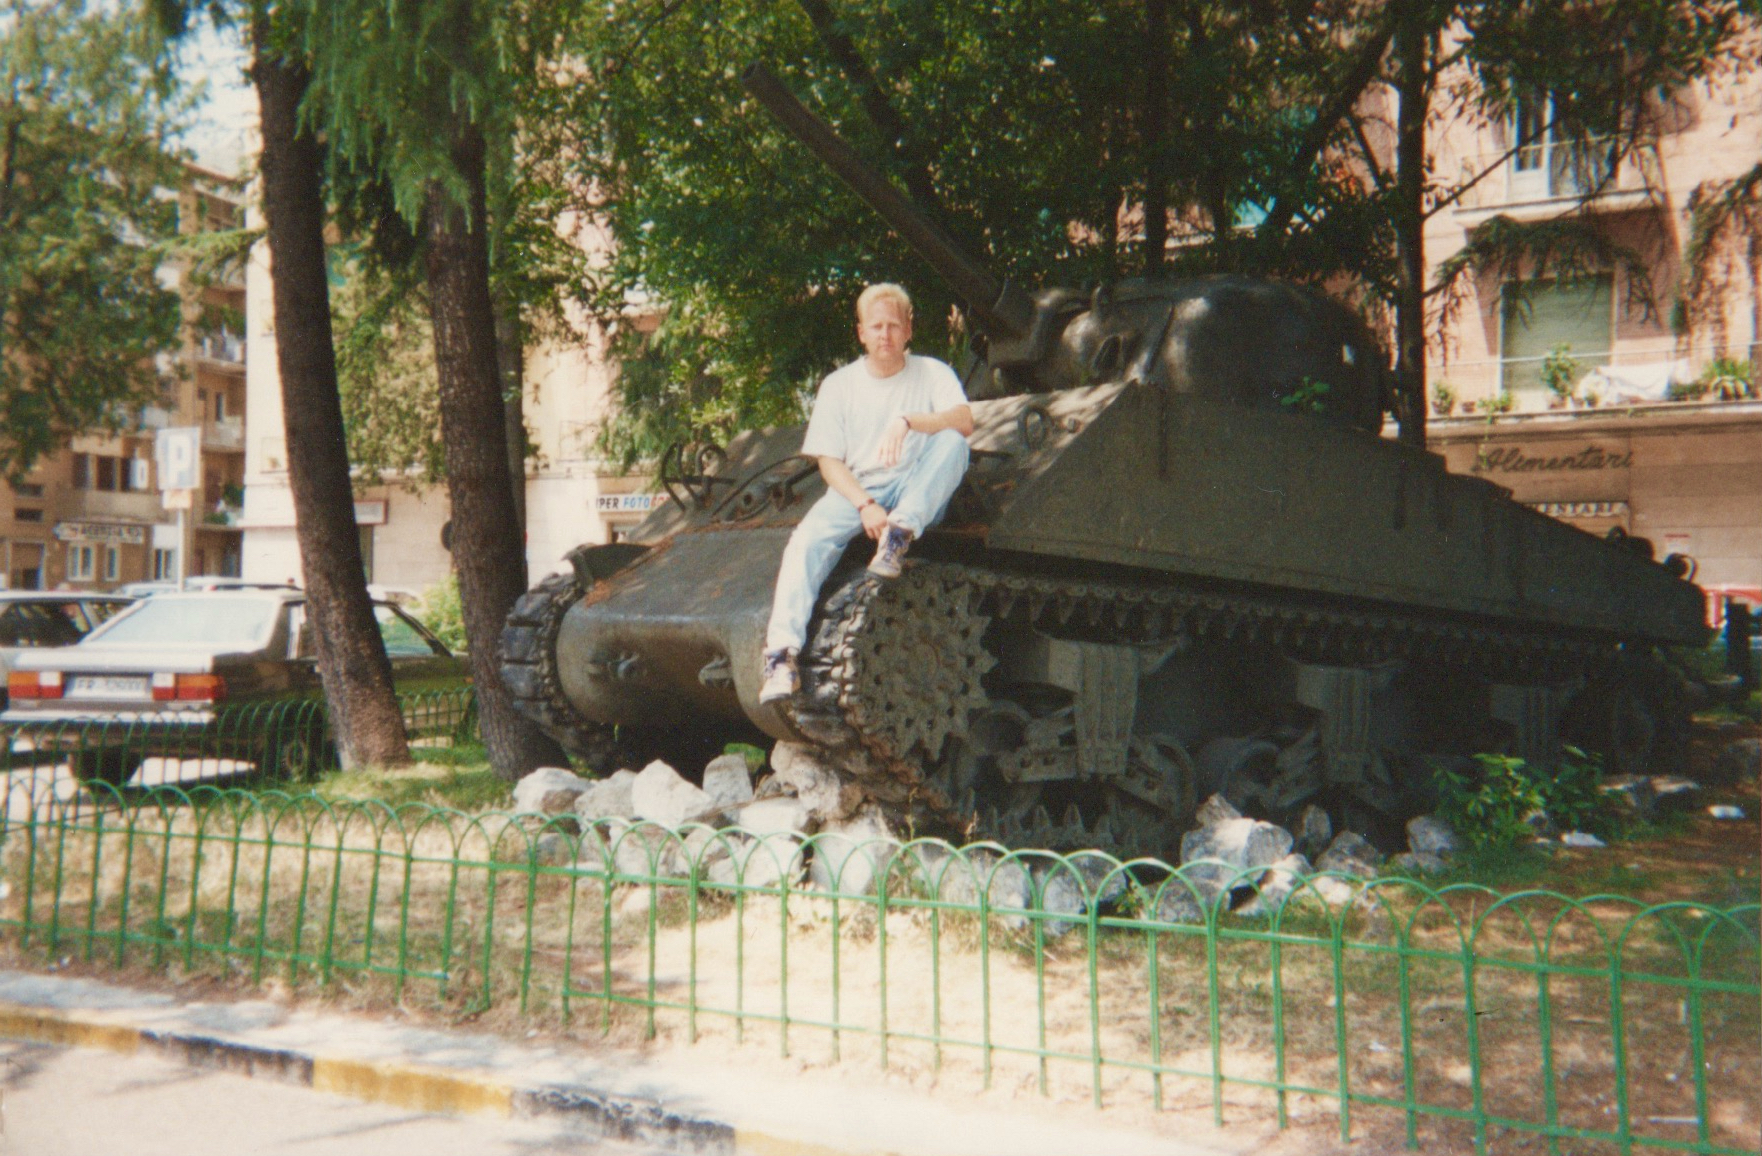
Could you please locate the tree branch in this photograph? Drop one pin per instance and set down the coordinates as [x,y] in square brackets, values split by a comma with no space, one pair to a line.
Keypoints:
[1365,61]
[876,106]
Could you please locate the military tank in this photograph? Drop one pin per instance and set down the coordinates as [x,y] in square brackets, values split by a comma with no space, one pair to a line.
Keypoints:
[1184,560]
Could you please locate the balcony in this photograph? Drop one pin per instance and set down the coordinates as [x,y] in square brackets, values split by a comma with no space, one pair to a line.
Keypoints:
[1620,379]
[226,435]
[223,348]
[1543,178]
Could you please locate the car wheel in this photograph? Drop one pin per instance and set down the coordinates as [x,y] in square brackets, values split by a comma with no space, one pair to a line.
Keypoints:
[113,767]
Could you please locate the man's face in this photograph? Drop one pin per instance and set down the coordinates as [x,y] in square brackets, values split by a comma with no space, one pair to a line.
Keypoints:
[884,331]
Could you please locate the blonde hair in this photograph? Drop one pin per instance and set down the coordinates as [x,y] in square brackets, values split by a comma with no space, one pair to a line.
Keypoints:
[885,291]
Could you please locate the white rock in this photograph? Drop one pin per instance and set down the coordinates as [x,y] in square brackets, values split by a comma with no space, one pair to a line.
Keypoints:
[548,791]
[762,862]
[1333,891]
[1240,843]
[646,850]
[553,849]
[1275,885]
[1180,903]
[1427,835]
[1581,839]
[960,880]
[1725,811]
[1314,830]
[727,781]
[1418,862]
[815,784]
[1350,854]
[607,798]
[1215,810]
[1674,793]
[1072,886]
[850,857]
[659,795]
[774,817]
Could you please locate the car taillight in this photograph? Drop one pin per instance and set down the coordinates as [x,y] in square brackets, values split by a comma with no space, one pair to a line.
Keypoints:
[188,688]
[34,684]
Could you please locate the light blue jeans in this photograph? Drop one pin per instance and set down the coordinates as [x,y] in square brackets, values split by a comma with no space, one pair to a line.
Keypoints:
[914,500]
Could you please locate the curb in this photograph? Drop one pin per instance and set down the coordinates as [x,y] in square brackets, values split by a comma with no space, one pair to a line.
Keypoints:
[608,1115]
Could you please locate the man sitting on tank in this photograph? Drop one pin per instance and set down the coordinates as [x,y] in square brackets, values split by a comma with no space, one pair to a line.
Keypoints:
[890,430]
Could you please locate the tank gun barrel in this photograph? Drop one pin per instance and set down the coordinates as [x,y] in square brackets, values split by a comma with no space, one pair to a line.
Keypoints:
[1001,310]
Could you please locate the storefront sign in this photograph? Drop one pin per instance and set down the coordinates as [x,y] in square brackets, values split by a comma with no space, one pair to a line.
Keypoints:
[627,503]
[101,532]
[1514,460]
[1581,509]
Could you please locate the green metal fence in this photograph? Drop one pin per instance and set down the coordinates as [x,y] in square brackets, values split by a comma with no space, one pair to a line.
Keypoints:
[1450,1014]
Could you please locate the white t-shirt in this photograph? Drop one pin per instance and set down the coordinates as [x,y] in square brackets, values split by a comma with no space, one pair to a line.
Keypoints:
[854,406]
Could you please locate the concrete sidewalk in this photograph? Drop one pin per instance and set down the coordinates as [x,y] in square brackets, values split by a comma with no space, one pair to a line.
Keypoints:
[670,1103]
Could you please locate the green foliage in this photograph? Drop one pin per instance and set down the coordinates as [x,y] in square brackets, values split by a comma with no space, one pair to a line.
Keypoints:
[1560,372]
[87,126]
[1444,399]
[1487,807]
[1310,396]
[1729,379]
[440,610]
[385,373]
[755,758]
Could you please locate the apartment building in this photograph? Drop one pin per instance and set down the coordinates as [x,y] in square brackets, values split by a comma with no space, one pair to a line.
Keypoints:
[1587,398]
[91,516]
[572,496]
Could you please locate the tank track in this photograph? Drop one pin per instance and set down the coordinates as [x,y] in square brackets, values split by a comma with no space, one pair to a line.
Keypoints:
[529,668]
[893,672]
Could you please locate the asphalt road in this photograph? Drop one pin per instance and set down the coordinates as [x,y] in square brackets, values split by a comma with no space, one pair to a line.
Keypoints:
[81,1102]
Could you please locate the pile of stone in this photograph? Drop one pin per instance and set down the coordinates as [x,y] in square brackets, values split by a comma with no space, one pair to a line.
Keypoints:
[1250,867]
[657,823]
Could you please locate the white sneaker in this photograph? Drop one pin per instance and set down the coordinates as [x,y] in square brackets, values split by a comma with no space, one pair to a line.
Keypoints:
[780,678]
[890,551]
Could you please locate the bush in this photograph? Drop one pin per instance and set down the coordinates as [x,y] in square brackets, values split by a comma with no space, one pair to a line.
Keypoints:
[441,611]
[1560,372]
[1489,806]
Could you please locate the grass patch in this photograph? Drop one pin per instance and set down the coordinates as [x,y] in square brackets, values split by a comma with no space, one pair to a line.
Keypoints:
[462,780]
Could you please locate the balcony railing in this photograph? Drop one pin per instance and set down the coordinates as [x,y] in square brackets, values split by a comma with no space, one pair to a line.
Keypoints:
[1551,170]
[225,434]
[222,346]
[1607,378]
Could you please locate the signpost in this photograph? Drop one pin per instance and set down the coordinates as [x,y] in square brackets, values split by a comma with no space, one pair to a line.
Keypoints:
[178,453]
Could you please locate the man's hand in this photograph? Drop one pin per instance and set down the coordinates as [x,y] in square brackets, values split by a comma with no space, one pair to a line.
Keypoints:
[874,520]
[892,442]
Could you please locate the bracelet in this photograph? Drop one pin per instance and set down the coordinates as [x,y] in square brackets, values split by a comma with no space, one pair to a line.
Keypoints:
[867,502]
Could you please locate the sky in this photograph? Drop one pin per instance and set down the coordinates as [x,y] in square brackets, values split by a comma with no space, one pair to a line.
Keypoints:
[226,122]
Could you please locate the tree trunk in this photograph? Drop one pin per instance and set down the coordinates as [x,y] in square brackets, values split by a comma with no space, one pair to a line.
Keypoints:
[356,674]
[1411,41]
[488,553]
[511,364]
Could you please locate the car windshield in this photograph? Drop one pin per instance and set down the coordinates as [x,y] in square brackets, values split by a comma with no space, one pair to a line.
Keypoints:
[208,620]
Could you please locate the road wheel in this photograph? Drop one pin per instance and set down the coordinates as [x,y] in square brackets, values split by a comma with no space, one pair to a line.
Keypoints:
[102,766]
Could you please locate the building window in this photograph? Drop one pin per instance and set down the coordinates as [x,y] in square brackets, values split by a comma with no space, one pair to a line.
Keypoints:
[80,562]
[1547,162]
[164,565]
[23,515]
[112,563]
[1579,315]
[28,489]
[106,472]
[82,471]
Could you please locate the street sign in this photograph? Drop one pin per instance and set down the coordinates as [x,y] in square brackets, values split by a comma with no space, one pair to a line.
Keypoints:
[178,451]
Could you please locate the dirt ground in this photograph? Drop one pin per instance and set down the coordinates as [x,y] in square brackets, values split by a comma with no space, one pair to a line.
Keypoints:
[971,984]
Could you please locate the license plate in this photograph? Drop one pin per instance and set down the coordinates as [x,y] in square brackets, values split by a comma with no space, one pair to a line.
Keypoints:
[108,686]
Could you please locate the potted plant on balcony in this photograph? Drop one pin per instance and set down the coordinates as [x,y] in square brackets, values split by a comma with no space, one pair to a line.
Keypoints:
[1443,399]
[1560,373]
